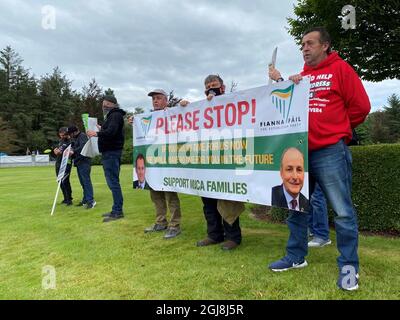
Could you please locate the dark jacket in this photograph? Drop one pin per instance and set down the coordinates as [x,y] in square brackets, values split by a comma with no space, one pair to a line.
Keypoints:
[77,146]
[62,145]
[111,136]
[136,185]
[279,199]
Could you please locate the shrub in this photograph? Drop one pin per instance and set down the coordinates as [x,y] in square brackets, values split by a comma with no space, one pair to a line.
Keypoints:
[376,186]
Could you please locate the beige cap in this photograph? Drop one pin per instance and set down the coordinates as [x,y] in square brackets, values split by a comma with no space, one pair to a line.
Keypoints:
[157,91]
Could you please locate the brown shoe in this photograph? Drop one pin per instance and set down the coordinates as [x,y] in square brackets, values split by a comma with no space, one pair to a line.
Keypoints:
[206,242]
[229,245]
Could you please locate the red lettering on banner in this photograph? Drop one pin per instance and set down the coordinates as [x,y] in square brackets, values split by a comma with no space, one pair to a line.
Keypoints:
[188,121]
[160,124]
[218,109]
[209,118]
[219,116]
[243,109]
[230,106]
[179,126]
[196,120]
[253,110]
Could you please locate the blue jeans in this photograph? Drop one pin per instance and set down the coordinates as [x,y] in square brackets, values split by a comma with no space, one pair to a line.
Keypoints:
[111,165]
[84,168]
[330,167]
[318,215]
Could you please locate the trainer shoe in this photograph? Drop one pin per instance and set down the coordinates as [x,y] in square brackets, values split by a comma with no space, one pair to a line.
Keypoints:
[113,216]
[80,204]
[318,243]
[347,282]
[155,228]
[91,205]
[172,233]
[285,264]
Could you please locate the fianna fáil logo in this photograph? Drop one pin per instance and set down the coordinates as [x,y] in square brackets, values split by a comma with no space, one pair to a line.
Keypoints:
[145,122]
[282,100]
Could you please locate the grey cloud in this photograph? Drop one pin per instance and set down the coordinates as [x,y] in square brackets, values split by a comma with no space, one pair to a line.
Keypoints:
[135,46]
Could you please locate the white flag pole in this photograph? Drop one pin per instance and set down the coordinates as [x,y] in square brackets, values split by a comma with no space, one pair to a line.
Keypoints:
[273,62]
[55,199]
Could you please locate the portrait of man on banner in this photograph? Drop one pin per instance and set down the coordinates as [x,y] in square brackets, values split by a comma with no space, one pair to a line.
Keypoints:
[288,194]
[140,173]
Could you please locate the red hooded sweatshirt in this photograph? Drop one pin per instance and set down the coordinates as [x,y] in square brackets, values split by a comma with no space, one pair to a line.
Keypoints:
[338,102]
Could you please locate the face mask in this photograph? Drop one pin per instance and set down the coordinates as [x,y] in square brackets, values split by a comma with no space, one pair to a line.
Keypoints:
[106,110]
[214,91]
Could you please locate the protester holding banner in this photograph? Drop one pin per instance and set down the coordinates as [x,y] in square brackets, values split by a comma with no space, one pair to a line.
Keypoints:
[58,152]
[83,166]
[162,199]
[111,142]
[218,229]
[338,103]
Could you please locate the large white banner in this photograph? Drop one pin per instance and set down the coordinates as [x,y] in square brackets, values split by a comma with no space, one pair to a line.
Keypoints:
[228,148]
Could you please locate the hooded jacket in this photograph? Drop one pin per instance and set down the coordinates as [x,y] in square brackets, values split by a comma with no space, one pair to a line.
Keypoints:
[111,136]
[338,102]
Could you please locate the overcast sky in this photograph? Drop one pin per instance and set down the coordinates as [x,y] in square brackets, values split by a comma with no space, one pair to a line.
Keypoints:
[136,46]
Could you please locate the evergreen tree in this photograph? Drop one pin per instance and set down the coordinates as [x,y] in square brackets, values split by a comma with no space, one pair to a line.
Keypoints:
[8,138]
[57,105]
[372,47]
[393,117]
[91,101]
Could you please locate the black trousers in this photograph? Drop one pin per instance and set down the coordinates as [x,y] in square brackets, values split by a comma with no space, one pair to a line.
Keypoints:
[66,184]
[217,228]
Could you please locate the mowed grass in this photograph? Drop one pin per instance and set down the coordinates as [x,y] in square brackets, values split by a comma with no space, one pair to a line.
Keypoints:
[117,260]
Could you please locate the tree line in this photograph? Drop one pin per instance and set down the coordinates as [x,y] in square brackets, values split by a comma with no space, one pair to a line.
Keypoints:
[33,109]
[368,39]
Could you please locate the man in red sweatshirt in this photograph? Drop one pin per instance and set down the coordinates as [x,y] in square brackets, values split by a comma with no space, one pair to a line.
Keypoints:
[338,103]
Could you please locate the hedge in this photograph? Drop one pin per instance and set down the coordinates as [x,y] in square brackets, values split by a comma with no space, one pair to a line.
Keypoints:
[376,188]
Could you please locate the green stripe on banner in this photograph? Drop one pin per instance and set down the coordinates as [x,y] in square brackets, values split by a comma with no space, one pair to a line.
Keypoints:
[225,154]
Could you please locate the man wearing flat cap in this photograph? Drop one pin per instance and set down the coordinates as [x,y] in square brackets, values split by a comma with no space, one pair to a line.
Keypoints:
[163,199]
[111,142]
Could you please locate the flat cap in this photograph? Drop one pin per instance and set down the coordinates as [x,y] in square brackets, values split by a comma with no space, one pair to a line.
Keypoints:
[157,91]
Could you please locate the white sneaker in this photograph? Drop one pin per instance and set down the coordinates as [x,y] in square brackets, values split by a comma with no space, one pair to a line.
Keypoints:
[91,205]
[318,243]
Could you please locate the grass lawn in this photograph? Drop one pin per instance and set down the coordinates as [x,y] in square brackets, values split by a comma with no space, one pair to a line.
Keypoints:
[116,260]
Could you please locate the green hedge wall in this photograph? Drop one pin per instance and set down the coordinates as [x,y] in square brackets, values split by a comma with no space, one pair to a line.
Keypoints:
[376,188]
